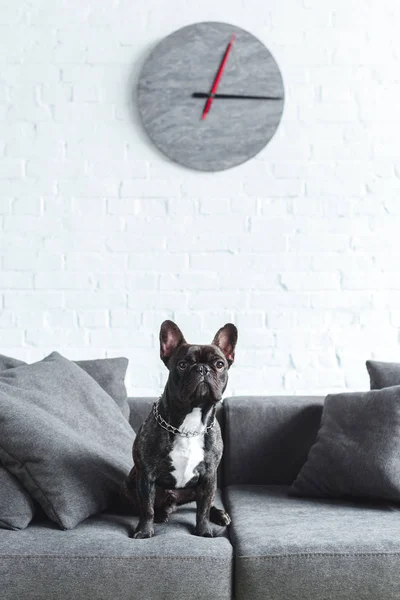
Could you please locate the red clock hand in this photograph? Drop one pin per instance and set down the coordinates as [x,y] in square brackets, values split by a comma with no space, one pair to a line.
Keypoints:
[218,78]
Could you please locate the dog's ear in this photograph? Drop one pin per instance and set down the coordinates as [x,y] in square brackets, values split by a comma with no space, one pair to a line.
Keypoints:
[226,339]
[171,337]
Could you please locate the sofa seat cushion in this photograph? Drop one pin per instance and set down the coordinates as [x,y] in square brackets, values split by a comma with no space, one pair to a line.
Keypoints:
[99,560]
[288,548]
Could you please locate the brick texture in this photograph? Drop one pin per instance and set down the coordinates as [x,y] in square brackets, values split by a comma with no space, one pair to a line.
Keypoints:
[101,237]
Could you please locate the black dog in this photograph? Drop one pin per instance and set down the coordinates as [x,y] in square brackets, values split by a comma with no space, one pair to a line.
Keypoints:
[178,448]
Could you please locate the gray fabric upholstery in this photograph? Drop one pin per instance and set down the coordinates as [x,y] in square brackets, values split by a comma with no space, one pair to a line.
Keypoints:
[108,372]
[7,362]
[357,452]
[97,560]
[267,439]
[295,548]
[139,408]
[74,450]
[16,506]
[383,374]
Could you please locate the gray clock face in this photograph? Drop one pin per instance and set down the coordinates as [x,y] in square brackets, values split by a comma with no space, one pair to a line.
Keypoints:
[175,86]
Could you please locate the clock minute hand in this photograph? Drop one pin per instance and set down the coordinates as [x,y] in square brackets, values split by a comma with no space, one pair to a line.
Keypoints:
[234,96]
[217,78]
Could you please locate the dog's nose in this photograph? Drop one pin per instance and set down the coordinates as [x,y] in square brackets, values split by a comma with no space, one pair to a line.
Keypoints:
[202,369]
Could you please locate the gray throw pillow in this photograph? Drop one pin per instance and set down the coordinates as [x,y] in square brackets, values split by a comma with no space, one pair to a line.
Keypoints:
[357,451]
[63,438]
[108,372]
[383,374]
[16,506]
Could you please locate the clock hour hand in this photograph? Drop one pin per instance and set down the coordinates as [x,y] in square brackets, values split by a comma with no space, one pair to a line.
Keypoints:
[217,78]
[234,96]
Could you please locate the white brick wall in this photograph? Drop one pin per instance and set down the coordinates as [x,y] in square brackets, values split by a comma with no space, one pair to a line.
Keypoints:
[101,237]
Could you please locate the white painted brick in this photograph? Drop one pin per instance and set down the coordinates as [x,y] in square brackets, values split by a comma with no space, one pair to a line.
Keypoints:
[258,338]
[6,206]
[99,262]
[209,186]
[88,206]
[30,300]
[258,242]
[7,319]
[25,318]
[372,280]
[11,168]
[60,319]
[320,381]
[30,261]
[344,299]
[243,206]
[123,317]
[275,300]
[212,320]
[252,280]
[64,280]
[127,281]
[153,207]
[89,187]
[326,359]
[179,207]
[94,300]
[188,322]
[13,338]
[115,338]
[218,299]
[56,338]
[138,188]
[273,187]
[130,242]
[310,281]
[154,261]
[270,357]
[190,280]
[298,246]
[32,224]
[15,280]
[119,169]
[214,206]
[249,320]
[142,300]
[323,242]
[151,320]
[56,168]
[27,206]
[55,94]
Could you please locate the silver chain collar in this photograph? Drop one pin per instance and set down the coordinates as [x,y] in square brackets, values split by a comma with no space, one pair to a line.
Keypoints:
[175,430]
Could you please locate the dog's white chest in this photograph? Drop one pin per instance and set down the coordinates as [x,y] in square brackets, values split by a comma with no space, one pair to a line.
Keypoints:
[187,452]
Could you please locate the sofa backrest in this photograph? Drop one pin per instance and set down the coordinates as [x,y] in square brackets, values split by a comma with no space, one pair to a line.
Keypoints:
[267,439]
[139,409]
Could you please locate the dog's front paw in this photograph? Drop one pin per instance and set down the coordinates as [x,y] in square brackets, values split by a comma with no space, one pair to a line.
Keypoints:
[143,531]
[161,516]
[205,529]
[219,517]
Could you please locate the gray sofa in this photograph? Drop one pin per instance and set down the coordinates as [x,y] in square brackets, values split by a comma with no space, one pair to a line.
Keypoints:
[277,548]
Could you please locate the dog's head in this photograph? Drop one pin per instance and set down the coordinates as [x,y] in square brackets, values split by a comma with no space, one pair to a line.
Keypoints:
[198,374]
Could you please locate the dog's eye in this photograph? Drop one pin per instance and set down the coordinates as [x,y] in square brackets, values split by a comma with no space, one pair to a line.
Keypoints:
[182,365]
[220,364]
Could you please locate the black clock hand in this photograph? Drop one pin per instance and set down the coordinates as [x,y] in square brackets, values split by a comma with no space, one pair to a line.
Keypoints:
[234,96]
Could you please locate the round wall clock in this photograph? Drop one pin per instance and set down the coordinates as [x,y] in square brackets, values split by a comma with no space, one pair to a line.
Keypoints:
[210,96]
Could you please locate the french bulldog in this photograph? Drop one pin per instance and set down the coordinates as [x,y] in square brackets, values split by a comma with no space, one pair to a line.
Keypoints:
[178,448]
